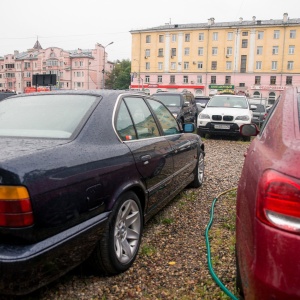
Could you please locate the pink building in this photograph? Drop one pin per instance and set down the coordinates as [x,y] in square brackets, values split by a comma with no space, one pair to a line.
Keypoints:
[74,69]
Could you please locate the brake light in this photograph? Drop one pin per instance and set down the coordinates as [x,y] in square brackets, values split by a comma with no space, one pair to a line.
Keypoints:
[279,201]
[15,207]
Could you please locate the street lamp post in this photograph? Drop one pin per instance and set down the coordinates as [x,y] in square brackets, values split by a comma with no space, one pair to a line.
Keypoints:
[103,70]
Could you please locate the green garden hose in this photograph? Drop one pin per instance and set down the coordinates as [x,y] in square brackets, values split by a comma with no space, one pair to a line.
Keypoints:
[212,273]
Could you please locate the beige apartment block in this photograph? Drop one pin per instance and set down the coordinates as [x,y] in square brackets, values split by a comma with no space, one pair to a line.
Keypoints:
[259,58]
[74,69]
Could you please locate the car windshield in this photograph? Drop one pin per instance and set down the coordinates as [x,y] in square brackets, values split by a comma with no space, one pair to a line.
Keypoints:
[259,108]
[43,116]
[228,101]
[169,100]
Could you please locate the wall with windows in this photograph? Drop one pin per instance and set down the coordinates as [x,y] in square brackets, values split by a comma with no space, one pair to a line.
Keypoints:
[255,55]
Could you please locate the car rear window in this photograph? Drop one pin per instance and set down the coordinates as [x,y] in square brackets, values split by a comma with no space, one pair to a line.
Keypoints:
[169,100]
[44,116]
[259,108]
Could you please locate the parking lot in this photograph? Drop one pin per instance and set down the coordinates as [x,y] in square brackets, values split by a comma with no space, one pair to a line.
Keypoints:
[172,261]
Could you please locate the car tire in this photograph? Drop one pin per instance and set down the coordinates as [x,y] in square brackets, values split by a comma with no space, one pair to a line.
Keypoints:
[246,138]
[118,248]
[199,171]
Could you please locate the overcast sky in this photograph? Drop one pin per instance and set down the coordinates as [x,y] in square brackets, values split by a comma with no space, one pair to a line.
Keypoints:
[81,24]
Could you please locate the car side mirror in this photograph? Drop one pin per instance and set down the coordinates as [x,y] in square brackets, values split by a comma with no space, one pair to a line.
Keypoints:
[188,127]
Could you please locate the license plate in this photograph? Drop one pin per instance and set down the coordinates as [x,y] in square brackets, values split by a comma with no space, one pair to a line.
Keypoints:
[222,126]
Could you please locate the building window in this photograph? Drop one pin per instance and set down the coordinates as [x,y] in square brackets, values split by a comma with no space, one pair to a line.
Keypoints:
[160,66]
[159,79]
[289,80]
[257,80]
[228,65]
[200,51]
[147,53]
[172,79]
[291,49]
[186,65]
[187,37]
[245,33]
[229,51]
[160,38]
[147,78]
[54,63]
[28,83]
[243,63]
[200,65]
[215,36]
[173,52]
[185,79]
[147,66]
[26,65]
[173,65]
[160,52]
[244,43]
[290,65]
[260,35]
[242,84]
[148,38]
[274,65]
[258,65]
[214,65]
[227,79]
[273,80]
[174,38]
[229,36]
[259,50]
[213,79]
[292,34]
[271,99]
[275,50]
[199,78]
[276,34]
[201,36]
[186,51]
[256,94]
[80,63]
[214,51]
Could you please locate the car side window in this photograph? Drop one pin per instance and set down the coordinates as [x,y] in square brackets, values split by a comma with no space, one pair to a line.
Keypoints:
[269,115]
[124,124]
[165,118]
[142,118]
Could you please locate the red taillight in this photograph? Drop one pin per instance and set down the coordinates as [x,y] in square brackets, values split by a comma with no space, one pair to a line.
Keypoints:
[15,207]
[279,201]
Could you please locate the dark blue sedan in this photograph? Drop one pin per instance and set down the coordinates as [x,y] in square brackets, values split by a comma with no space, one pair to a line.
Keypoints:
[81,172]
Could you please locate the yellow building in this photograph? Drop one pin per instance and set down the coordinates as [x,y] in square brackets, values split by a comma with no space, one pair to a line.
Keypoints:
[257,57]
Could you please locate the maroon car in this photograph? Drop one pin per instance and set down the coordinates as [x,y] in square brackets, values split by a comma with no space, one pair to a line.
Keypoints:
[268,205]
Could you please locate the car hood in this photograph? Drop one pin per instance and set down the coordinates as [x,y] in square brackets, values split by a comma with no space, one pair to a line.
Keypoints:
[226,111]
[11,148]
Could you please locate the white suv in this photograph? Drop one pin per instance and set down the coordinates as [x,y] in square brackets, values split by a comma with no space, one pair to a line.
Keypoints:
[223,115]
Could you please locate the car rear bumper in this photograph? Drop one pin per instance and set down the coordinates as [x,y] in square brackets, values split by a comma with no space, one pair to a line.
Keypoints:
[271,269]
[24,268]
[211,128]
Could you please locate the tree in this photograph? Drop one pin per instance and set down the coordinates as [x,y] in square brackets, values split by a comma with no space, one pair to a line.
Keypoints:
[119,78]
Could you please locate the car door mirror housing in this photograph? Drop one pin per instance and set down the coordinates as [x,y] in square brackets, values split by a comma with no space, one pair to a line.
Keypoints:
[188,127]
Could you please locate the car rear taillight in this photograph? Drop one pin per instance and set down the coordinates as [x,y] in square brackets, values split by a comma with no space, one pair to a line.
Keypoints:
[279,201]
[15,207]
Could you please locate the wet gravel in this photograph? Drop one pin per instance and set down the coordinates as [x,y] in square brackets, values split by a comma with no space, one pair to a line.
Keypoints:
[172,261]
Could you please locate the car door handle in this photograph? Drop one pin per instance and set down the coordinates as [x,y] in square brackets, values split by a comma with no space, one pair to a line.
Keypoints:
[146,158]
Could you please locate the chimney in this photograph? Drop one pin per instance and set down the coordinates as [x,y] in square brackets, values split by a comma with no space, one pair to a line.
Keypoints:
[16,53]
[253,18]
[285,17]
[241,20]
[211,21]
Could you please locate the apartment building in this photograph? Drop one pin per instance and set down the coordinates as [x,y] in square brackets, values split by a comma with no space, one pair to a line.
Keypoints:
[74,69]
[259,58]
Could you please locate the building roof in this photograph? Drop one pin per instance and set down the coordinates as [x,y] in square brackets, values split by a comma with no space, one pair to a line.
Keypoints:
[212,24]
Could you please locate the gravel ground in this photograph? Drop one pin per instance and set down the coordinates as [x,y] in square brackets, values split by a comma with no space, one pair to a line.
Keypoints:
[172,261]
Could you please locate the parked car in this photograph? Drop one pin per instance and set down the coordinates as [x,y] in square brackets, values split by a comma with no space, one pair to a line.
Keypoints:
[268,205]
[181,104]
[80,174]
[4,95]
[223,115]
[259,114]
[201,102]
